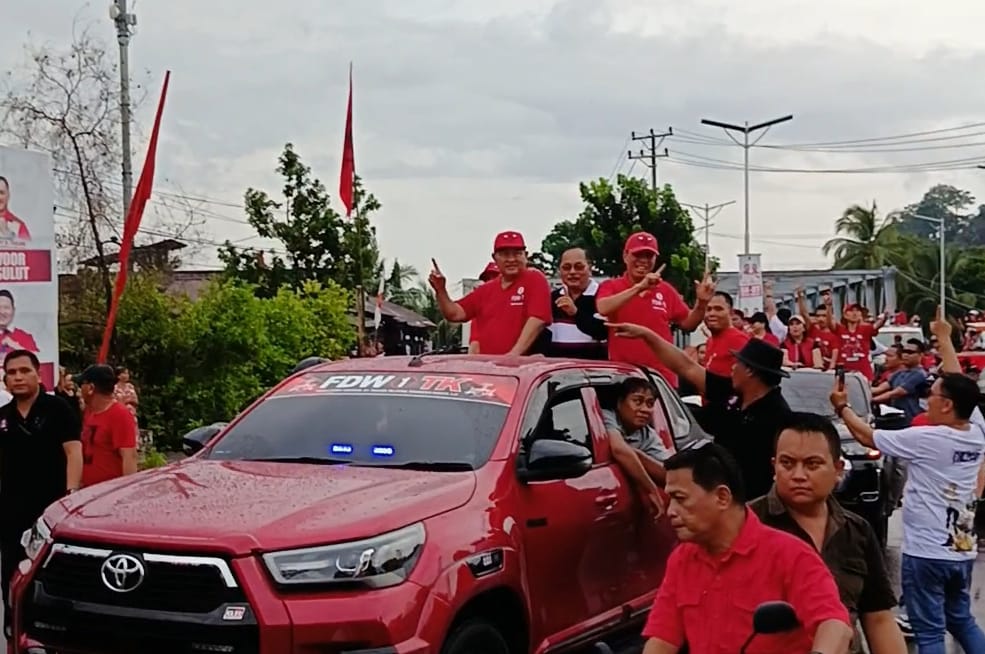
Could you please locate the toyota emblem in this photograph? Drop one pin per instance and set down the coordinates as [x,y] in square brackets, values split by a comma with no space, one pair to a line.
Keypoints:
[122,573]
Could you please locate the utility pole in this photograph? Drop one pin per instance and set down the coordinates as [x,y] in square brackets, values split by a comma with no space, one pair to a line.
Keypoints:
[708,216]
[746,130]
[124,21]
[650,154]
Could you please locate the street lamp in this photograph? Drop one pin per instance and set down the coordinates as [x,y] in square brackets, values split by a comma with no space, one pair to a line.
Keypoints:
[746,130]
[940,229]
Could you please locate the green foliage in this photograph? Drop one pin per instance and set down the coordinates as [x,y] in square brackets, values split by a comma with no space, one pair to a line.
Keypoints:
[611,214]
[866,241]
[153,459]
[200,362]
[316,242]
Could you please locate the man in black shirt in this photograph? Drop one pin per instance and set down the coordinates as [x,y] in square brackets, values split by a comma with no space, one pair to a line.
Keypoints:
[807,466]
[577,331]
[745,412]
[40,458]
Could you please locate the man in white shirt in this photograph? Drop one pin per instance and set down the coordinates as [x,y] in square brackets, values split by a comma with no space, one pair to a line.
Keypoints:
[944,482]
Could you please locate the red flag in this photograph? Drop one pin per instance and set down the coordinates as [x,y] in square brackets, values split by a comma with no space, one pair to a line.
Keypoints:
[132,223]
[347,177]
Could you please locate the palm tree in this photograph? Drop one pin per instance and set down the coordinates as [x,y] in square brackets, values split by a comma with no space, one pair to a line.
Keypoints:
[864,240]
[919,289]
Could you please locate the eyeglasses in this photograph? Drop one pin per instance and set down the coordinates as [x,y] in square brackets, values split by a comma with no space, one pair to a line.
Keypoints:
[577,267]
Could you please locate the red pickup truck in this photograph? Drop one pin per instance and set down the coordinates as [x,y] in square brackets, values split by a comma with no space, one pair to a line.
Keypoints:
[461,505]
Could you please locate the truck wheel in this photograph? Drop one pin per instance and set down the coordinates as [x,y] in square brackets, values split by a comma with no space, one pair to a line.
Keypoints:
[475,636]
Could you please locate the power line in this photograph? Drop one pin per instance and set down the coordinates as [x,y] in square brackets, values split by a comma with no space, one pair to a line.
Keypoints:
[896,137]
[650,154]
[707,220]
[701,161]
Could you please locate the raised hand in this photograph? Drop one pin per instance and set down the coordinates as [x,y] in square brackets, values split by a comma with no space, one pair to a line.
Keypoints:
[705,289]
[940,327]
[437,279]
[652,279]
[566,304]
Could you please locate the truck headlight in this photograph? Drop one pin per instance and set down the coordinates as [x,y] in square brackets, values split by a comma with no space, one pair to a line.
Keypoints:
[378,562]
[35,539]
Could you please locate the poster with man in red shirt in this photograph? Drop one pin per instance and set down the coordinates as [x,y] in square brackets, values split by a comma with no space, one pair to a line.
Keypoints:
[642,297]
[28,280]
[856,339]
[508,312]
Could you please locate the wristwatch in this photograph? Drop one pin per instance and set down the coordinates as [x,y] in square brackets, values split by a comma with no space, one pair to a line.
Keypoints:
[838,411]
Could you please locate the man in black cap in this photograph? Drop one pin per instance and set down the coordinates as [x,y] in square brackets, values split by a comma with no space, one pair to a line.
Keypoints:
[744,412]
[109,430]
[40,457]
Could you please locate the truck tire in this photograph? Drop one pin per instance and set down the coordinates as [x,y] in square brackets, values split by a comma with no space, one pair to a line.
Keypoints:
[475,636]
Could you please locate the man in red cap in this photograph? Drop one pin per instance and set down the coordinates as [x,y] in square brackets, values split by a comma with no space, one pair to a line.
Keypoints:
[509,311]
[856,339]
[642,297]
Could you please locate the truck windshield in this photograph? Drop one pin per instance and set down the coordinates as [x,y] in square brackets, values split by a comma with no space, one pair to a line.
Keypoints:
[436,422]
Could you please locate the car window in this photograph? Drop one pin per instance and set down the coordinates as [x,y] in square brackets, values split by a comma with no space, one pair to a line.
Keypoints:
[677,417]
[379,419]
[566,420]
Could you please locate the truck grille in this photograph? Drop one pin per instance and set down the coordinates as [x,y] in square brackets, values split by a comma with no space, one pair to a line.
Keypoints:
[167,583]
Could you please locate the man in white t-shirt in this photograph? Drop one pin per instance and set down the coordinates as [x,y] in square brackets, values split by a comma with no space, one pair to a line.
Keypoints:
[944,481]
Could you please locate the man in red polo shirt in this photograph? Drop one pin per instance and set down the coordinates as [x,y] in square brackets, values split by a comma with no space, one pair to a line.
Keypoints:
[508,312]
[725,338]
[728,563]
[642,297]
[856,339]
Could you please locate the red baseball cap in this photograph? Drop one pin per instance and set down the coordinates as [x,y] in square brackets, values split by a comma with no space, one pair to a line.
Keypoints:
[853,306]
[641,242]
[509,241]
[491,271]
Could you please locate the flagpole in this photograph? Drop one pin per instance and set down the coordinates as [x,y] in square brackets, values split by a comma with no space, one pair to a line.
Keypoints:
[347,193]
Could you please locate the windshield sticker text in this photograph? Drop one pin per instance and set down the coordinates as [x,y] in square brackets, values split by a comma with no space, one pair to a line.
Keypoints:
[483,388]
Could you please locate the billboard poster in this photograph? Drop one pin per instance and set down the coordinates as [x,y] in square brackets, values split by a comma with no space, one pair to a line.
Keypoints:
[750,283]
[28,277]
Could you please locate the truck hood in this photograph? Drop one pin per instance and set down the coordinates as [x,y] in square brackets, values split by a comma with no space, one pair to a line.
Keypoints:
[238,507]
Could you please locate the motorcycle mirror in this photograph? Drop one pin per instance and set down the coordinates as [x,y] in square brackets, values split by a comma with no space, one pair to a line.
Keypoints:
[774,618]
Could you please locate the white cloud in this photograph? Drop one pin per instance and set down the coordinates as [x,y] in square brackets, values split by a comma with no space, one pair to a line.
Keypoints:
[473,116]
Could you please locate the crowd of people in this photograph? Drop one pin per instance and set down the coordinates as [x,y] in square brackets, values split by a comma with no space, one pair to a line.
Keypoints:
[755,509]
[52,443]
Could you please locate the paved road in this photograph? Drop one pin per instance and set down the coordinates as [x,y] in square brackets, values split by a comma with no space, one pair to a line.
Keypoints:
[893,562]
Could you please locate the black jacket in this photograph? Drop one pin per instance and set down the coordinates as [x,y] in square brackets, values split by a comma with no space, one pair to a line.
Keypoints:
[582,336]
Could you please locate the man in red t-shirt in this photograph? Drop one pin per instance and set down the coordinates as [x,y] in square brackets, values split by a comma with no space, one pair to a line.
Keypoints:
[728,563]
[109,430]
[12,338]
[725,338]
[509,311]
[856,340]
[642,297]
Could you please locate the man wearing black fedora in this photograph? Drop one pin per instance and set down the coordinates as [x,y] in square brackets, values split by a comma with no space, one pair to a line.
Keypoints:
[745,411]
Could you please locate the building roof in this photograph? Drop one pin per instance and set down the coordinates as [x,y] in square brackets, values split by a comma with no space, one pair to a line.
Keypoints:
[158,248]
[785,282]
[399,314]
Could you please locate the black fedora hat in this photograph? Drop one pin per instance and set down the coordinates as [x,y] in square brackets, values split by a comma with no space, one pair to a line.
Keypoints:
[760,355]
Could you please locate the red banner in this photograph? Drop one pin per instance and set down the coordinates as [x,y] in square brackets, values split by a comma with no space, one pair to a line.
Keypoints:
[25,266]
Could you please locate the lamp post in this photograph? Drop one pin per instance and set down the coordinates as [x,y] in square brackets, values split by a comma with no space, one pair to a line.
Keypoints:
[940,229]
[746,130]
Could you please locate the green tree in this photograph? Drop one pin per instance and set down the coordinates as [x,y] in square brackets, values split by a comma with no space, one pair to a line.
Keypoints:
[942,202]
[611,214]
[317,243]
[200,362]
[865,241]
[919,288]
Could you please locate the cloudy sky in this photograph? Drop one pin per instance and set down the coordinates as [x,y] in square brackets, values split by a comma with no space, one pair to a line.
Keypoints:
[474,116]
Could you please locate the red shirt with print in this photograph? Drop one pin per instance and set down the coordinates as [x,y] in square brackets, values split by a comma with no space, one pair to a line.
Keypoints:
[708,601]
[802,352]
[16,339]
[855,348]
[498,314]
[828,340]
[104,434]
[718,351]
[12,224]
[655,308]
